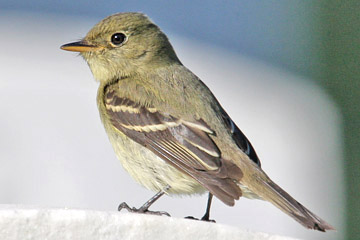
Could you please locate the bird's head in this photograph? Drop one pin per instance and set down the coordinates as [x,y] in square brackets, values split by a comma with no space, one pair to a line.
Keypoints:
[122,45]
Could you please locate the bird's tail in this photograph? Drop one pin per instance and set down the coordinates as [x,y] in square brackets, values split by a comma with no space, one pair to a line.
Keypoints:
[270,191]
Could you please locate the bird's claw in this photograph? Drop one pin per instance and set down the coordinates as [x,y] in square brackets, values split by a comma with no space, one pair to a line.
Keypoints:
[202,219]
[124,205]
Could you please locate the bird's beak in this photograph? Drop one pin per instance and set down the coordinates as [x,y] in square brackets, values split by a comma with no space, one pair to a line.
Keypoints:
[80,46]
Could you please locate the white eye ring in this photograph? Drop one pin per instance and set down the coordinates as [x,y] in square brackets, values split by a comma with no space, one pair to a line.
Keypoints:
[118,38]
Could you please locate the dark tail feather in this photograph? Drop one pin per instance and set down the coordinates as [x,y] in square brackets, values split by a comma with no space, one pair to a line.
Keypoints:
[271,192]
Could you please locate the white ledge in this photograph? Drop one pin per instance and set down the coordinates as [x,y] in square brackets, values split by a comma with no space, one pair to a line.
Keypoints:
[25,223]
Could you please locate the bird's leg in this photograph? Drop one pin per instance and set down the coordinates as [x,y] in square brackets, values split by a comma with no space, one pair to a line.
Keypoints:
[145,208]
[207,213]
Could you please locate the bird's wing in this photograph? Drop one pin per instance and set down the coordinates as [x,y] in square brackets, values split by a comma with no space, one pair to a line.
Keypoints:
[185,145]
[239,138]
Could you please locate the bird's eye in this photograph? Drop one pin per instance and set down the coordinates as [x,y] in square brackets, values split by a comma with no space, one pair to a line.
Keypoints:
[118,38]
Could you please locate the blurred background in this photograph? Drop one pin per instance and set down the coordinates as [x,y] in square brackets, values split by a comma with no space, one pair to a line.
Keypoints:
[286,71]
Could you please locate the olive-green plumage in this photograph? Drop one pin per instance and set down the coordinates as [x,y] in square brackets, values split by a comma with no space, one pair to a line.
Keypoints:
[165,125]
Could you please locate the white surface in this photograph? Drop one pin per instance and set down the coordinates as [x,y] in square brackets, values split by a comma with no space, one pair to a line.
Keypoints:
[19,222]
[54,151]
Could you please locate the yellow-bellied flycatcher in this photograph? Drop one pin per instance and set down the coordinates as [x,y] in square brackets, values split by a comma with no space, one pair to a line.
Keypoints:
[166,127]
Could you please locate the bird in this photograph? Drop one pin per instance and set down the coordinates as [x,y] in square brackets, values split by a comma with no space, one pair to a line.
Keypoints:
[166,127]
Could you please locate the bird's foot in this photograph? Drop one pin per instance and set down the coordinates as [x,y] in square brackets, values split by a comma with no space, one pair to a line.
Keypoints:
[143,210]
[204,218]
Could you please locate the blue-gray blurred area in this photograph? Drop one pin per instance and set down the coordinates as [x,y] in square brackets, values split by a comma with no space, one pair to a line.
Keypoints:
[286,71]
[275,31]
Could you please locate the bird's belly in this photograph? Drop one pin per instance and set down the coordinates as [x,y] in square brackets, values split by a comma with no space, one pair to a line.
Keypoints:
[150,170]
